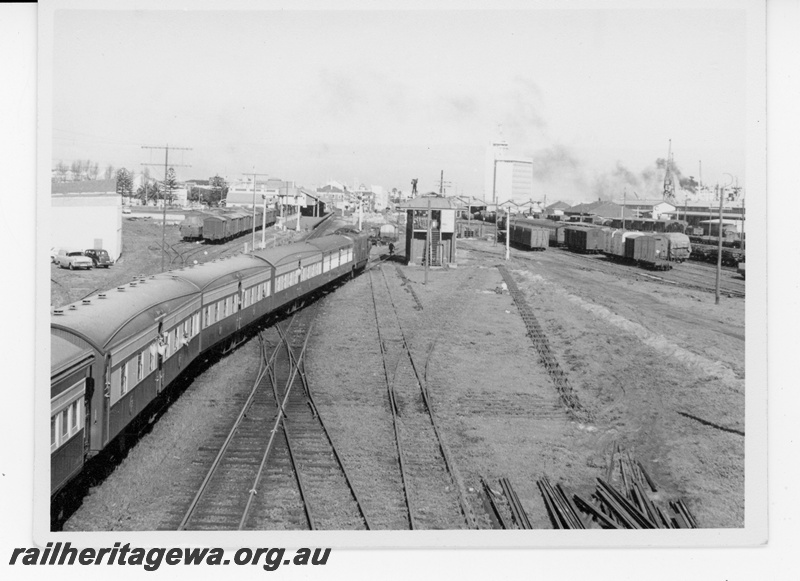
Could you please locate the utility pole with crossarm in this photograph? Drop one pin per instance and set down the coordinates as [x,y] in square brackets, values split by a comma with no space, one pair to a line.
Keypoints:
[164,214]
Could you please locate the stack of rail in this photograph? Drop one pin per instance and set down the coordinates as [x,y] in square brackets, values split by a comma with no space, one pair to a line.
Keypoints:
[611,508]
[518,514]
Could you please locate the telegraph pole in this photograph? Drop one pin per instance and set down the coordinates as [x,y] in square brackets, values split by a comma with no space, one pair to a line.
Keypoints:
[719,250]
[164,213]
[442,183]
[719,238]
[254,205]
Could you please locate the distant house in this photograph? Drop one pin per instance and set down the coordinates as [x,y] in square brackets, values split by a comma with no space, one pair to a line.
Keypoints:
[86,214]
[649,208]
[334,194]
[240,193]
[559,205]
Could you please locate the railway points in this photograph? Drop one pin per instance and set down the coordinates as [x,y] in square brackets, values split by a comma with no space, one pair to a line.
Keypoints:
[452,358]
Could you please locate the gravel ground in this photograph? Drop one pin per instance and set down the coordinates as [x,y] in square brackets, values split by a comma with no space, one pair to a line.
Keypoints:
[639,356]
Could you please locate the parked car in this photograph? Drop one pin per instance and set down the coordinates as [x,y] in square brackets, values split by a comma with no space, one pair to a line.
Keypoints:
[53,254]
[73,259]
[100,257]
[126,209]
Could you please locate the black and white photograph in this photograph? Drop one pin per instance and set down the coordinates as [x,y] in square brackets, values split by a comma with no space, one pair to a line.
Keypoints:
[421,275]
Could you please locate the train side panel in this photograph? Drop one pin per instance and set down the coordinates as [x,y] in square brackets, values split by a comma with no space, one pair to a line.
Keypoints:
[71,387]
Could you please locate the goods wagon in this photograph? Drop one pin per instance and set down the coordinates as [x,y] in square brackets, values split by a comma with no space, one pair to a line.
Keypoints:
[388,232]
[606,236]
[652,251]
[630,240]
[224,225]
[585,239]
[650,225]
[216,228]
[192,226]
[679,246]
[529,235]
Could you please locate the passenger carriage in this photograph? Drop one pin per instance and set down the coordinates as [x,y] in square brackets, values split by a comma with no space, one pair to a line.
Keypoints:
[115,353]
[71,383]
[122,327]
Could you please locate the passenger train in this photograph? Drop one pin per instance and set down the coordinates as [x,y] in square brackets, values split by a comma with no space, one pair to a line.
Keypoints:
[113,354]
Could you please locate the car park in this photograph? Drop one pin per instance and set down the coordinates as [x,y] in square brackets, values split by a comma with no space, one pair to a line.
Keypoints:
[100,257]
[73,259]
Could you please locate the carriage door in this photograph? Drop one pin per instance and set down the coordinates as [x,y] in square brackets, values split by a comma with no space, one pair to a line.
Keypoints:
[87,412]
[106,400]
[239,302]
[161,355]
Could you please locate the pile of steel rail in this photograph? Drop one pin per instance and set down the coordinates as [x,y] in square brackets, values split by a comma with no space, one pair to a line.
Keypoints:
[611,508]
[519,517]
[542,346]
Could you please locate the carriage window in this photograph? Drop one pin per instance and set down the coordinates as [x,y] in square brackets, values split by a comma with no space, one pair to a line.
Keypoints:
[64,425]
[139,366]
[53,431]
[73,416]
[123,379]
[153,352]
[266,289]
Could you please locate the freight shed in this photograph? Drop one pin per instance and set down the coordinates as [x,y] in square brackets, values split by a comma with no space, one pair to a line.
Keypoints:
[86,214]
[435,216]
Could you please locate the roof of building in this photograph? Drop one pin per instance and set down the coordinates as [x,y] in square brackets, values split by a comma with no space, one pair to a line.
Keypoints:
[600,208]
[469,201]
[430,200]
[559,205]
[643,203]
[330,189]
[85,187]
[243,198]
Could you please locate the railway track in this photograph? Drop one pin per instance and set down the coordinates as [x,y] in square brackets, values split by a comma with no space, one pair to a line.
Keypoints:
[684,275]
[693,276]
[433,493]
[277,467]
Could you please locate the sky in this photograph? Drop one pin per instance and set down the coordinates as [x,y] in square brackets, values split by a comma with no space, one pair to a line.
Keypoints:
[381,97]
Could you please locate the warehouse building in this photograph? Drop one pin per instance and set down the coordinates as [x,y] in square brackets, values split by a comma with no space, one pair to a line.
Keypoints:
[86,214]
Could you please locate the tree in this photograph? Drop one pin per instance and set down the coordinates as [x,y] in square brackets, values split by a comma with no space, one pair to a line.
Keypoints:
[148,191]
[124,182]
[219,190]
[61,171]
[194,194]
[169,185]
[76,167]
[109,172]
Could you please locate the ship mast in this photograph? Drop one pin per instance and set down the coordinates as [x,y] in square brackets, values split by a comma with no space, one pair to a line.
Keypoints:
[669,183]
